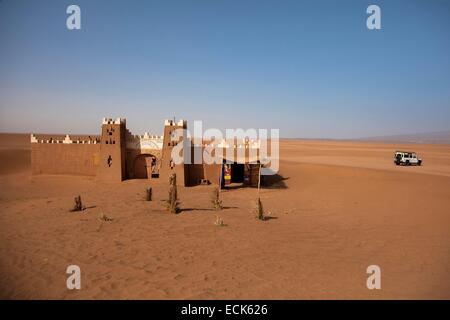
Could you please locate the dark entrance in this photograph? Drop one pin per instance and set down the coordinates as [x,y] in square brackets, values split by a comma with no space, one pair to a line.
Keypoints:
[144,166]
[237,173]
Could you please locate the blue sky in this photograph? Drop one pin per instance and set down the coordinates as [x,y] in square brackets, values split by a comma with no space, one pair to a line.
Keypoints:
[310,68]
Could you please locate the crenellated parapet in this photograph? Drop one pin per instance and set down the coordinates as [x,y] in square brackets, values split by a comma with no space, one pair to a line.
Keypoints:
[179,123]
[144,142]
[67,139]
[34,139]
[239,143]
[114,121]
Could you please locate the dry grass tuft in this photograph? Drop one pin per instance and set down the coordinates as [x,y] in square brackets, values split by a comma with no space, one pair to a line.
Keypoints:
[215,199]
[219,222]
[260,210]
[105,218]
[78,206]
[172,202]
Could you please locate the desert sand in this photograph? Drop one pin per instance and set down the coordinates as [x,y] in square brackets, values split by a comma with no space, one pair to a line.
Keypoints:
[337,207]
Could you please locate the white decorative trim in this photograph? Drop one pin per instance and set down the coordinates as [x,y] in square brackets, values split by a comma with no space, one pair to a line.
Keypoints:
[111,121]
[67,139]
[33,139]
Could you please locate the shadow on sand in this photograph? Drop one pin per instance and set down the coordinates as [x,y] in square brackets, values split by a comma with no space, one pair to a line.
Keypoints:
[275,181]
[206,209]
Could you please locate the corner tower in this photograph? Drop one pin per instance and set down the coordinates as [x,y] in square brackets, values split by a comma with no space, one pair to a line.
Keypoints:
[111,165]
[167,164]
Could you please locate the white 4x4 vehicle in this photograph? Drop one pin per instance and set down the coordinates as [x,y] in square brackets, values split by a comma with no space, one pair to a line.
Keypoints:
[406,158]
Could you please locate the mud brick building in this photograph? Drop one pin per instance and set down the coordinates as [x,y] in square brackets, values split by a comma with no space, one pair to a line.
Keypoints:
[116,155]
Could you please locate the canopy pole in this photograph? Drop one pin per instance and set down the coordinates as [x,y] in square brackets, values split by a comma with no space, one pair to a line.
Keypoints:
[220,177]
[259,178]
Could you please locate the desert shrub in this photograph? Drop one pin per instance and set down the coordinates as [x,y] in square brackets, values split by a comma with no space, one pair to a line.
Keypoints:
[78,205]
[260,210]
[215,199]
[148,194]
[172,202]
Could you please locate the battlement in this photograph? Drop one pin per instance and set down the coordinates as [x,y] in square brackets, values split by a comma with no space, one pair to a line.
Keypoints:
[180,123]
[241,143]
[116,121]
[67,139]
[145,141]
[146,135]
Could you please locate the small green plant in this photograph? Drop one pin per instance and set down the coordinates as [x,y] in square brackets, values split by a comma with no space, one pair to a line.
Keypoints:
[260,210]
[215,199]
[219,222]
[78,206]
[172,202]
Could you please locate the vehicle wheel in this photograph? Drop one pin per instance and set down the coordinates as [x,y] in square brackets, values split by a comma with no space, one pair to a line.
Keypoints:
[419,163]
[397,163]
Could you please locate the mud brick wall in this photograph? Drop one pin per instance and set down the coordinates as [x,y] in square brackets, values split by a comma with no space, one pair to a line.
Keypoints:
[58,158]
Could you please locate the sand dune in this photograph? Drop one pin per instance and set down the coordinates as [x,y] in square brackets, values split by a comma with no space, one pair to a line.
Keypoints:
[339,207]
[426,137]
[15,154]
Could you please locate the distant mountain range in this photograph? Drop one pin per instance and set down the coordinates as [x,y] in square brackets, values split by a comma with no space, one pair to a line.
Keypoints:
[428,137]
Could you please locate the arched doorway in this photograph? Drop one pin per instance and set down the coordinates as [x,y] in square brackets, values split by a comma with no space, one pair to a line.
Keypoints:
[144,166]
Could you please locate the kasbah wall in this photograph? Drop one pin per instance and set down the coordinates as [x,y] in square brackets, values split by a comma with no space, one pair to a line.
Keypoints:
[117,155]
